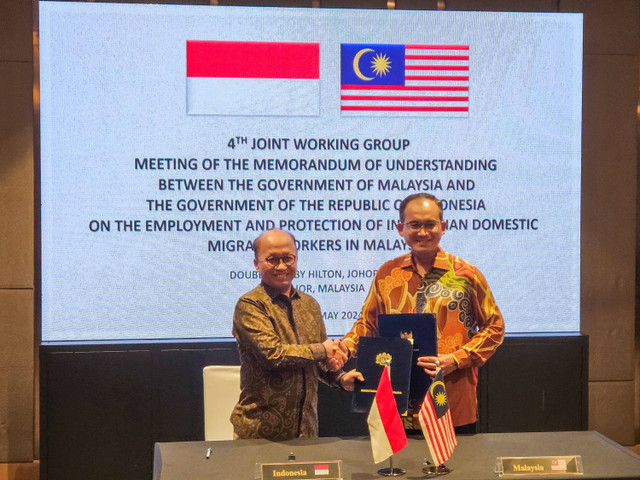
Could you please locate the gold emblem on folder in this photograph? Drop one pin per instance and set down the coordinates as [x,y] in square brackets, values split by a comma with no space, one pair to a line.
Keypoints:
[407,336]
[383,358]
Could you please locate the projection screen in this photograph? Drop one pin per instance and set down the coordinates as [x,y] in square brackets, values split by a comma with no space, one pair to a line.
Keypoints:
[171,136]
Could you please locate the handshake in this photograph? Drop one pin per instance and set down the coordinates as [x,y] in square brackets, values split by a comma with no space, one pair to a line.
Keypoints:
[337,354]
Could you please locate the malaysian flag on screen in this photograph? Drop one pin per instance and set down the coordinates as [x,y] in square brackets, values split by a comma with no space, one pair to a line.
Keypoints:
[404,80]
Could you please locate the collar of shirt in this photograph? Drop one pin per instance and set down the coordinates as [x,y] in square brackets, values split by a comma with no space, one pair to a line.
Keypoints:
[275,293]
[440,262]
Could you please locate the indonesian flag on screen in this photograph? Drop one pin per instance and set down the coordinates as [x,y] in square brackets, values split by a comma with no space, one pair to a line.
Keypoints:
[435,420]
[385,425]
[253,78]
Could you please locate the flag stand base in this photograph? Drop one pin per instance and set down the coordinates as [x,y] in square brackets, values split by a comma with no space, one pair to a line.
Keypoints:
[391,471]
[434,470]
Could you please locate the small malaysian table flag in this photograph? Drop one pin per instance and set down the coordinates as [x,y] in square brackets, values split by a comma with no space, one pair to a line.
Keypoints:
[435,420]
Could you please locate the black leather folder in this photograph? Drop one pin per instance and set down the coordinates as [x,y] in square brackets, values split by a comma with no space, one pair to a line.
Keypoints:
[421,329]
[373,352]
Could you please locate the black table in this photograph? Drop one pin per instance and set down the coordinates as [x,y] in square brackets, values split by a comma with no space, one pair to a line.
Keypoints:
[473,459]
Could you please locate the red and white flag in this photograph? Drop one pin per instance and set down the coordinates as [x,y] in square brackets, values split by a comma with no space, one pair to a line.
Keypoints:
[435,420]
[253,78]
[385,425]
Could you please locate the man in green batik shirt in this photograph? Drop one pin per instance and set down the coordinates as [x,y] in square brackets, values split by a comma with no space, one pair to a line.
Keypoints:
[284,349]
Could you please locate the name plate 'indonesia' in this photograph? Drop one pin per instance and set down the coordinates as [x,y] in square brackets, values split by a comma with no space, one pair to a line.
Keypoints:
[301,470]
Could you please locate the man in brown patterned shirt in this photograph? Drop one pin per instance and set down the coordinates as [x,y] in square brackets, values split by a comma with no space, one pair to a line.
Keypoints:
[284,349]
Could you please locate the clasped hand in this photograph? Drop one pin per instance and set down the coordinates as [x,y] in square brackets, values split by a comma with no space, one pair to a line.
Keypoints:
[337,354]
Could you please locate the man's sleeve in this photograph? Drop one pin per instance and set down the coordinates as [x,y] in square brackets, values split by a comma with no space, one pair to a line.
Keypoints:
[253,328]
[490,327]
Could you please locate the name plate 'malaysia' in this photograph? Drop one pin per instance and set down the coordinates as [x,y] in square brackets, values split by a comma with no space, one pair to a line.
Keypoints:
[301,470]
[539,465]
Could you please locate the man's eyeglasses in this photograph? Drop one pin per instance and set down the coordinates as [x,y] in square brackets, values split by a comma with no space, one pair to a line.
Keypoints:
[274,260]
[417,226]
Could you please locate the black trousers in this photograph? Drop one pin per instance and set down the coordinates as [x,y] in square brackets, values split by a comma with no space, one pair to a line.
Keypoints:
[468,429]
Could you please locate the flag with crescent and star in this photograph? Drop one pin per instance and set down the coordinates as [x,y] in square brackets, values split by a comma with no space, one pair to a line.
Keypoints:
[404,80]
[435,420]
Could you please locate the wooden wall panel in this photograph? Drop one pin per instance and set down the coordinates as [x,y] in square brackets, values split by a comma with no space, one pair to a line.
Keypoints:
[16,175]
[612,410]
[611,27]
[15,31]
[609,201]
[503,5]
[17,377]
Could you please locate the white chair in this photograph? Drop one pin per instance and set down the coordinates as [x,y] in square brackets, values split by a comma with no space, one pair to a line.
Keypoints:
[221,392]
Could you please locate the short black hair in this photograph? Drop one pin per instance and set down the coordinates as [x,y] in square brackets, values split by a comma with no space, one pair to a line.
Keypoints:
[415,196]
[256,242]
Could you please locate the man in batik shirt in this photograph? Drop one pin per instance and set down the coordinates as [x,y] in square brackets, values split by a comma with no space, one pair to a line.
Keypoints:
[284,349]
[428,279]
